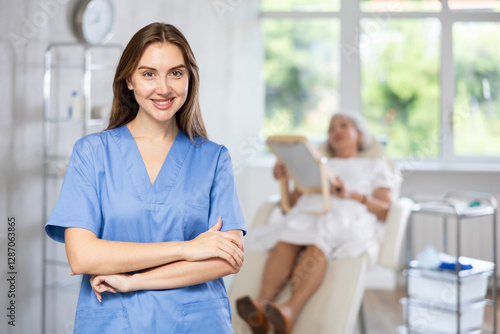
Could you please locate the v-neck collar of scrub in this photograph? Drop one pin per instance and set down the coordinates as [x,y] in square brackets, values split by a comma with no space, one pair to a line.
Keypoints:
[165,180]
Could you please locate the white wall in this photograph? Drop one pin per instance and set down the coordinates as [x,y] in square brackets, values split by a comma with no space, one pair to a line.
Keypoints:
[225,37]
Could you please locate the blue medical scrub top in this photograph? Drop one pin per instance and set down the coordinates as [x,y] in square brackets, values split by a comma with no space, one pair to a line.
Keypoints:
[107,191]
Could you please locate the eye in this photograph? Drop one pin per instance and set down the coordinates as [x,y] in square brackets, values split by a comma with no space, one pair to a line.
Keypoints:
[148,74]
[177,73]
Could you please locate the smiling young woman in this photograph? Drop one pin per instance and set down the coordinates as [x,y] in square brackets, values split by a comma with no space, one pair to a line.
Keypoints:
[138,215]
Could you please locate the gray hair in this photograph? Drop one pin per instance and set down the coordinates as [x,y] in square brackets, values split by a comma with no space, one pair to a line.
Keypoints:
[360,124]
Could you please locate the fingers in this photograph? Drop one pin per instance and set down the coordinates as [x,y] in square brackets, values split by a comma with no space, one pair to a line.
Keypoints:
[338,188]
[236,264]
[99,296]
[338,181]
[230,236]
[217,225]
[233,256]
[94,288]
[109,288]
[234,239]
[227,246]
[216,244]
[279,170]
[99,285]
[231,253]
[335,189]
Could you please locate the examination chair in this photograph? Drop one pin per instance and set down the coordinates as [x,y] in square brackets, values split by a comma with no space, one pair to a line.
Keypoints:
[336,306]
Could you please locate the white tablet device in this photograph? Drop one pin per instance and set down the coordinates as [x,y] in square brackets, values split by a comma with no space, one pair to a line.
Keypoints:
[305,165]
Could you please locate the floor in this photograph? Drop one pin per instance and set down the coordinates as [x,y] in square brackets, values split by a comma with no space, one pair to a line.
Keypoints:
[384,313]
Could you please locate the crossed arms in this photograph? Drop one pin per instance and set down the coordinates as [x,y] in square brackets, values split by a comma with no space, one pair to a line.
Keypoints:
[162,265]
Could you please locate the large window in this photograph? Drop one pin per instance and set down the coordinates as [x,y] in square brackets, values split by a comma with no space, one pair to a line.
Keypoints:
[300,5]
[400,83]
[424,73]
[302,75]
[476,118]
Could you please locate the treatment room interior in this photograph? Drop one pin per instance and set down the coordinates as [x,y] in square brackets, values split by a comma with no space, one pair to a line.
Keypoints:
[347,54]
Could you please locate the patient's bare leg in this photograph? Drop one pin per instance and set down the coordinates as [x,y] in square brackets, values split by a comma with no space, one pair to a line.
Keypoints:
[278,268]
[306,279]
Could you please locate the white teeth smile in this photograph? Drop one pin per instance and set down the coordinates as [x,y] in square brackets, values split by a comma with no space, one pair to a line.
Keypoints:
[163,103]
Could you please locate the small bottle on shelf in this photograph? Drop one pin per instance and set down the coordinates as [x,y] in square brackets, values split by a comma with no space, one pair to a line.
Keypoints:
[76,106]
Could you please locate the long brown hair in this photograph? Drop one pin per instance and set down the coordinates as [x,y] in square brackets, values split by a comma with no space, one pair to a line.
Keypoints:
[124,108]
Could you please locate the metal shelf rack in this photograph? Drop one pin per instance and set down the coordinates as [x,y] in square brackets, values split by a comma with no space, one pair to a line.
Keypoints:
[460,205]
[67,64]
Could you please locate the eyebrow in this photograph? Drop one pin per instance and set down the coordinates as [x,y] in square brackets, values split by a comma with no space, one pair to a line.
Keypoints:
[154,69]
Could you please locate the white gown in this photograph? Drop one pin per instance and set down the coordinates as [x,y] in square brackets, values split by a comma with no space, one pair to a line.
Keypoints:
[348,228]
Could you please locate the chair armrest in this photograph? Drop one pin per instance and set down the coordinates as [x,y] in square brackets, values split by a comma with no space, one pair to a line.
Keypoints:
[265,210]
[395,228]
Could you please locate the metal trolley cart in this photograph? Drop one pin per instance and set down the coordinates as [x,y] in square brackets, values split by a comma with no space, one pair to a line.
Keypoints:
[451,301]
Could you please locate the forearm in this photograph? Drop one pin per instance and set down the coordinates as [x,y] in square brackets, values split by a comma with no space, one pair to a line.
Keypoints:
[378,207]
[180,274]
[88,254]
[97,256]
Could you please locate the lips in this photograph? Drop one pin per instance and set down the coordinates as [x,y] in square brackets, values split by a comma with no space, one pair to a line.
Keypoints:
[163,103]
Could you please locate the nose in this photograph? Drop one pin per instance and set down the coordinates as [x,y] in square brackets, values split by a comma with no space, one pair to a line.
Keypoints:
[163,87]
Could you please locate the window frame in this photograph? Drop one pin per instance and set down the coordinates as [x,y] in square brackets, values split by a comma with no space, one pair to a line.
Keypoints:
[350,16]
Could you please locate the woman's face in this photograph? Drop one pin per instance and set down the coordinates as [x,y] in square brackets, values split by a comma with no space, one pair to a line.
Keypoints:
[343,134]
[160,81]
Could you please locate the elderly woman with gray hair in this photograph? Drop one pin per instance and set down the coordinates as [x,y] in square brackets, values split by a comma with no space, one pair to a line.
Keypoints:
[360,200]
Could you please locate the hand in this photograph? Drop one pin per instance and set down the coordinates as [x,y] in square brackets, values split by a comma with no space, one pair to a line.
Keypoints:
[338,189]
[109,283]
[279,171]
[214,243]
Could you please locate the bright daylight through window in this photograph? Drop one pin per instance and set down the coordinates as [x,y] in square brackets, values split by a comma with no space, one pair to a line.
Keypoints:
[429,72]
[302,74]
